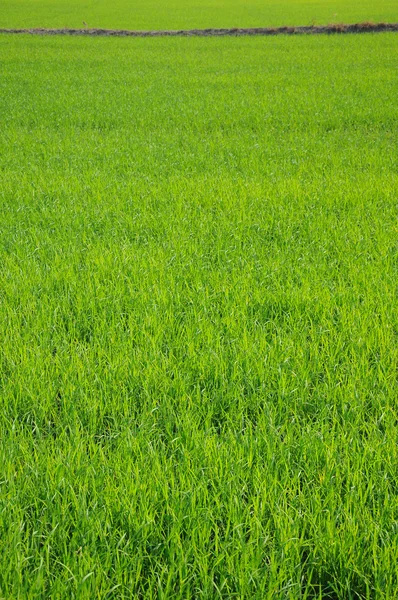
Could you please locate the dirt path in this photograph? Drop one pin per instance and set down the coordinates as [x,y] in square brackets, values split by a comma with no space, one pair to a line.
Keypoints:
[313,29]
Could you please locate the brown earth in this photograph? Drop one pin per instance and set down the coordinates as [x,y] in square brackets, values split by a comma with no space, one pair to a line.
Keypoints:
[311,29]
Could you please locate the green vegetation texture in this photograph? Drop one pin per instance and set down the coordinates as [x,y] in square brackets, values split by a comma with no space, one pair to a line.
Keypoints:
[183,14]
[198,315]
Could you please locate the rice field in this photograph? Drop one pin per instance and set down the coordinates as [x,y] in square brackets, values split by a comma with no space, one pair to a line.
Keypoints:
[198,314]
[188,14]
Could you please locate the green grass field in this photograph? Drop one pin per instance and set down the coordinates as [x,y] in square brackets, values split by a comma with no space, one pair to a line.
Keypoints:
[198,316]
[183,14]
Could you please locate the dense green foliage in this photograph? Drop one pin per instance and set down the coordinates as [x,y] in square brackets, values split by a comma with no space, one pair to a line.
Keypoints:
[198,278]
[182,14]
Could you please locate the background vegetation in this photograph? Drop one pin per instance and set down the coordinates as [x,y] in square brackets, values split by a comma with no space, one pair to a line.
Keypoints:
[187,14]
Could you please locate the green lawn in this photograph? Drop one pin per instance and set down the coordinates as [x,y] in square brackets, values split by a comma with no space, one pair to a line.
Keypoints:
[198,316]
[182,14]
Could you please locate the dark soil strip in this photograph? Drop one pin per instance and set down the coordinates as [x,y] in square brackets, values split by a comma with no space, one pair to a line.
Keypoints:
[311,29]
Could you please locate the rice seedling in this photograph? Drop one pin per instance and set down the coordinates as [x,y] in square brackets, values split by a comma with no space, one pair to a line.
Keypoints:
[198,282]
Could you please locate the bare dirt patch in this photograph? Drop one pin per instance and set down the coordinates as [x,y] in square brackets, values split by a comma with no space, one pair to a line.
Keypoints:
[259,31]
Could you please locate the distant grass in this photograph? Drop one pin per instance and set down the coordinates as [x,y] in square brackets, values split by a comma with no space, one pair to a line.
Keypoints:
[185,14]
[198,315]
